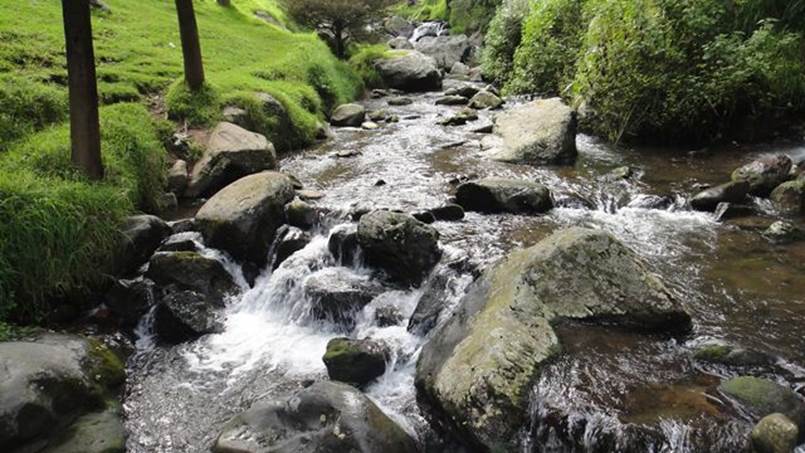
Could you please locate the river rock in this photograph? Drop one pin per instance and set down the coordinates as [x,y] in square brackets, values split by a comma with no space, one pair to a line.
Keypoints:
[400,100]
[764,174]
[452,100]
[542,132]
[177,177]
[183,315]
[466,90]
[763,397]
[485,100]
[142,236]
[477,370]
[789,197]
[49,381]
[291,240]
[356,362]
[388,315]
[243,218]
[193,272]
[348,115]
[459,70]
[129,300]
[338,293]
[399,26]
[430,305]
[325,417]
[98,432]
[709,199]
[463,117]
[300,214]
[496,195]
[232,153]
[413,71]
[775,433]
[448,213]
[179,245]
[727,354]
[782,232]
[447,50]
[400,43]
[405,248]
[343,245]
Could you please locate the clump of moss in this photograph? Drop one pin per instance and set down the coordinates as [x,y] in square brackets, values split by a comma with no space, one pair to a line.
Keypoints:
[105,367]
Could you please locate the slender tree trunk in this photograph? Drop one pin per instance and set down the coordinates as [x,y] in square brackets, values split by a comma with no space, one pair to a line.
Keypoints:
[339,41]
[191,48]
[85,132]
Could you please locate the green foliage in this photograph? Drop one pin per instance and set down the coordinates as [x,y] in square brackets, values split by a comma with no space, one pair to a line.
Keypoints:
[27,106]
[424,10]
[469,16]
[502,40]
[363,63]
[60,231]
[551,40]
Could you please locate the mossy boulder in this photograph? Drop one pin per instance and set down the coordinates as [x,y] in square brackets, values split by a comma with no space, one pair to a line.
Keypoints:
[789,197]
[327,416]
[356,362]
[476,371]
[731,355]
[775,433]
[764,174]
[762,397]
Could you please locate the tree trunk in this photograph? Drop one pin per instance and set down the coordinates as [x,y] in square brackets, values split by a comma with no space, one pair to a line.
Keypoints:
[191,48]
[85,132]
[339,41]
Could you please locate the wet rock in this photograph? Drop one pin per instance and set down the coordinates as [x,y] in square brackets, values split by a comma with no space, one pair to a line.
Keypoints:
[378,115]
[191,271]
[378,93]
[400,43]
[459,69]
[789,197]
[301,214]
[478,368]
[49,381]
[309,195]
[485,129]
[177,177]
[325,417]
[129,300]
[338,293]
[413,71]
[446,50]
[651,202]
[430,305]
[620,173]
[184,315]
[347,153]
[452,100]
[782,232]
[292,240]
[542,132]
[448,213]
[99,432]
[180,144]
[466,90]
[356,362]
[424,217]
[486,100]
[142,236]
[370,125]
[463,117]
[496,195]
[232,153]
[398,26]
[775,433]
[763,397]
[400,100]
[573,202]
[387,316]
[348,115]
[726,354]
[731,192]
[242,219]
[343,245]
[764,174]
[728,211]
[180,245]
[405,248]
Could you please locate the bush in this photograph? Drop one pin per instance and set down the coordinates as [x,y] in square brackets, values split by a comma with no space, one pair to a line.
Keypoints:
[60,231]
[27,106]
[469,16]
[551,39]
[502,40]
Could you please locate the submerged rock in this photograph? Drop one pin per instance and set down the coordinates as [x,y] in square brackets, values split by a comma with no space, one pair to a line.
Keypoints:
[763,397]
[463,117]
[709,199]
[243,218]
[542,132]
[764,174]
[496,195]
[356,362]
[727,354]
[413,71]
[142,236]
[337,293]
[325,417]
[405,248]
[477,369]
[232,153]
[348,115]
[775,433]
[789,197]
[400,100]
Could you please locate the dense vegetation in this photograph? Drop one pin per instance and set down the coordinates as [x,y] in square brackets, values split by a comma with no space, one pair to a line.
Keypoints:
[693,70]
[464,16]
[58,231]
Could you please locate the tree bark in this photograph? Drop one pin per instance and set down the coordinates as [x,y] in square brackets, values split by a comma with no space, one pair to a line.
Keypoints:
[191,47]
[85,131]
[338,31]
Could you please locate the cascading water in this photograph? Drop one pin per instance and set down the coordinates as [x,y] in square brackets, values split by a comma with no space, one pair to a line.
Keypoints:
[591,400]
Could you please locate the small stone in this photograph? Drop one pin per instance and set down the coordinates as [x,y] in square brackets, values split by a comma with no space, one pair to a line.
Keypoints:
[461,118]
[620,173]
[380,183]
[378,93]
[485,129]
[452,100]
[486,100]
[449,212]
[369,125]
[348,115]
[309,195]
[400,100]
[378,115]
[783,232]
[424,217]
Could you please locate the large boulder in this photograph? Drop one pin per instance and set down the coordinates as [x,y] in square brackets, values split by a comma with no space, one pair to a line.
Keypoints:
[762,397]
[129,300]
[709,199]
[405,248]
[232,153]
[348,115]
[496,195]
[142,236]
[49,381]
[542,132]
[191,271]
[412,71]
[98,432]
[477,370]
[447,50]
[765,173]
[356,362]
[184,315]
[325,417]
[789,197]
[243,218]
[775,433]
[337,293]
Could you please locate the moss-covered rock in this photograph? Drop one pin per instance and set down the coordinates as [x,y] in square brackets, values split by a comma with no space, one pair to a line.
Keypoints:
[775,433]
[355,362]
[763,397]
[789,197]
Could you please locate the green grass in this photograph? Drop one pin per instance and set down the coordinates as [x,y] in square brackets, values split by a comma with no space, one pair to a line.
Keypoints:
[27,106]
[424,10]
[60,231]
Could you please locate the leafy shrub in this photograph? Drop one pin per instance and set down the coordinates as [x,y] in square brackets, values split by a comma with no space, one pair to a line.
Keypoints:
[27,106]
[469,16]
[502,40]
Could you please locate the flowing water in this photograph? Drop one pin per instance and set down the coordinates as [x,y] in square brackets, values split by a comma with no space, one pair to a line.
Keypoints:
[611,390]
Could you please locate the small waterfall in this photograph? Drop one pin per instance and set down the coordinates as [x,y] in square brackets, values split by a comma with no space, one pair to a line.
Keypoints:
[429,29]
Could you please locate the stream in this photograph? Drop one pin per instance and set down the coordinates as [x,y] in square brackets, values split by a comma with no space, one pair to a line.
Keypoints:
[737,286]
